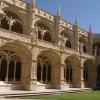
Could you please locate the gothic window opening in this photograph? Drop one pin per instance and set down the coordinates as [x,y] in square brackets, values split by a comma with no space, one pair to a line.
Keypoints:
[5,24]
[11,71]
[39,72]
[84,48]
[98,76]
[43,32]
[18,71]
[12,22]
[68,44]
[3,69]
[17,27]
[85,74]
[47,37]
[65,37]
[10,67]
[39,34]
[68,73]
[43,70]
[82,45]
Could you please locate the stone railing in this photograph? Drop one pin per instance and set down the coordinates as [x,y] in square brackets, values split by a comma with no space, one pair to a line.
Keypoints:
[89,56]
[71,51]
[82,32]
[48,45]
[66,24]
[18,3]
[44,14]
[9,35]
[53,46]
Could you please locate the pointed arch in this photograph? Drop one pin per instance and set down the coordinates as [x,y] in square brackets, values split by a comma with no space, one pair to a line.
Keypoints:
[84,44]
[12,22]
[73,71]
[89,79]
[44,30]
[67,38]
[49,69]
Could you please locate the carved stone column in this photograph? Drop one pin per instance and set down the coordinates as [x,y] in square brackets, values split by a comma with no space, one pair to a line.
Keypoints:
[47,74]
[82,75]
[0,69]
[62,76]
[41,73]
[14,79]
[7,72]
[10,23]
[33,83]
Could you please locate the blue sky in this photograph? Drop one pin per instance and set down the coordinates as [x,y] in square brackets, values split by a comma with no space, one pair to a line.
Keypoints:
[87,11]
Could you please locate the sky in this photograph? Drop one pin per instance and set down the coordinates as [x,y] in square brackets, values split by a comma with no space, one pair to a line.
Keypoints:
[87,11]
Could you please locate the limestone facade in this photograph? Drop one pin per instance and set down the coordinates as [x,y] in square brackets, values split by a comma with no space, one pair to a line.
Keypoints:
[39,50]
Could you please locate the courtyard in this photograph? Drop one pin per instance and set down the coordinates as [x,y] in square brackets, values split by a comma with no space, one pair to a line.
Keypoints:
[93,95]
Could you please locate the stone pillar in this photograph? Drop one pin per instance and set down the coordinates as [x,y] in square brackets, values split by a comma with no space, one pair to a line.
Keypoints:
[82,75]
[7,72]
[41,73]
[0,22]
[0,69]
[10,23]
[14,79]
[62,76]
[33,84]
[47,74]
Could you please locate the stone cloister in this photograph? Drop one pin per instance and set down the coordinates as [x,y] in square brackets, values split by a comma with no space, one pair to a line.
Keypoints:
[40,51]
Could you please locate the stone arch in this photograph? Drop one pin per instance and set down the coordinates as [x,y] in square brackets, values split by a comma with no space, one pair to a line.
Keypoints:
[84,44]
[22,52]
[12,22]
[44,30]
[89,79]
[54,61]
[74,79]
[67,38]
[16,13]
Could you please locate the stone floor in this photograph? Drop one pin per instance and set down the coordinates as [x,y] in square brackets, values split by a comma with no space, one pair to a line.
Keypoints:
[7,95]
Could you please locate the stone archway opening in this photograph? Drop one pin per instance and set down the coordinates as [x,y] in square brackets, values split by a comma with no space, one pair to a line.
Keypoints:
[48,68]
[44,31]
[10,67]
[17,27]
[72,72]
[15,69]
[12,22]
[43,70]
[68,44]
[89,74]
[83,44]
[98,76]
[4,23]
[64,34]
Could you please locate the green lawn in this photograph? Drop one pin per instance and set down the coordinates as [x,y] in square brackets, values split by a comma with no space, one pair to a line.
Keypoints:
[94,95]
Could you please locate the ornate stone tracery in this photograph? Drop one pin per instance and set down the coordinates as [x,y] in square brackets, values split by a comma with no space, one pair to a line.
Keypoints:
[47,68]
[43,70]
[11,22]
[10,66]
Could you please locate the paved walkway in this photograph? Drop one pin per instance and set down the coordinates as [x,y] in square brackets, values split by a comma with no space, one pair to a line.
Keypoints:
[6,93]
